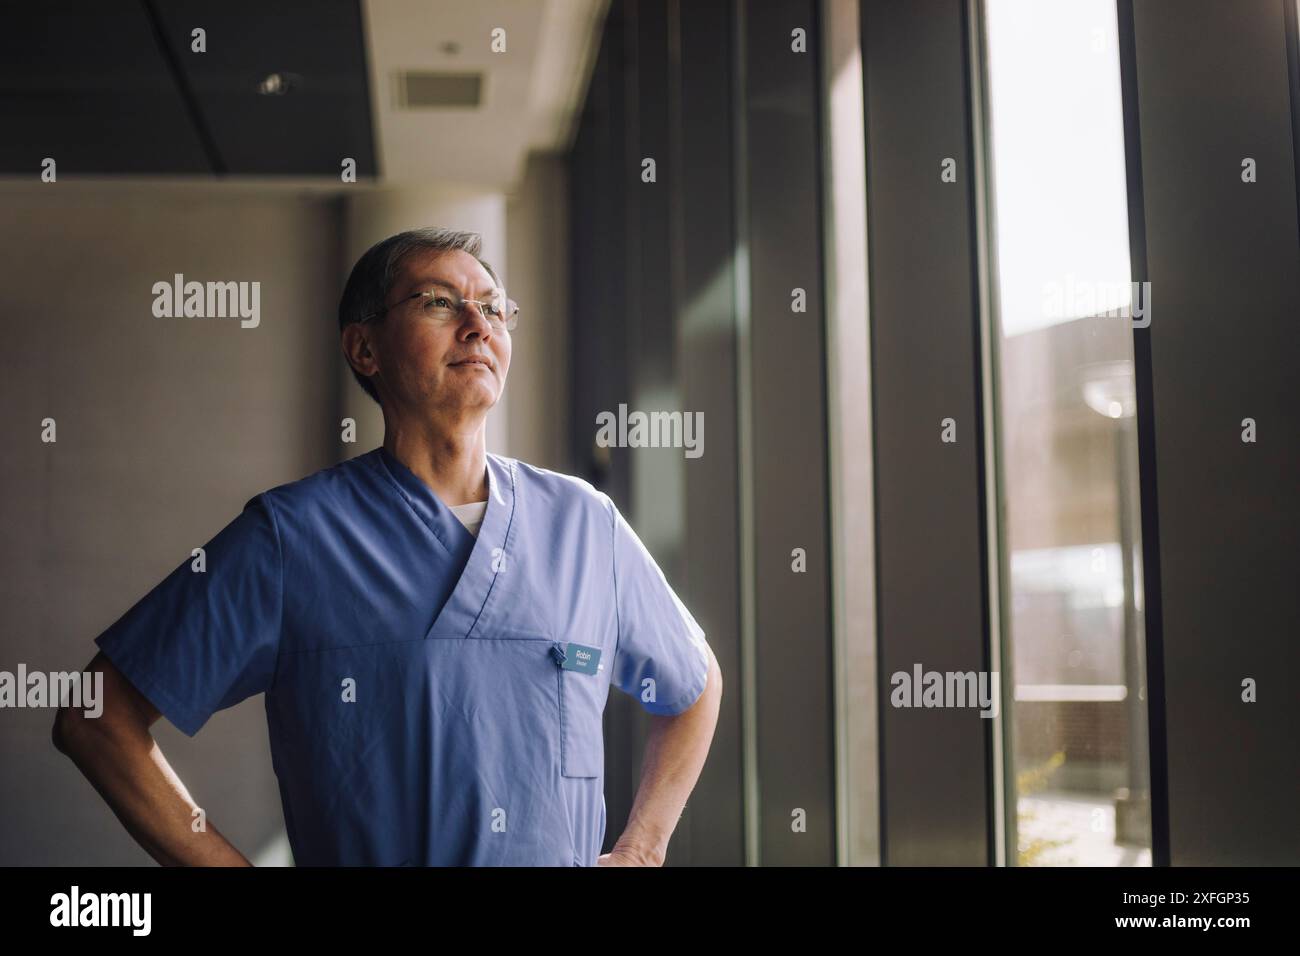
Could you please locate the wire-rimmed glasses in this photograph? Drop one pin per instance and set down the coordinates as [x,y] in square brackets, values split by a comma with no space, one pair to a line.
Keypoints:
[446,305]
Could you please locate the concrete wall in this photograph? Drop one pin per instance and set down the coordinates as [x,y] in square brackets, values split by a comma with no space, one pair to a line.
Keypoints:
[165,427]
[537,232]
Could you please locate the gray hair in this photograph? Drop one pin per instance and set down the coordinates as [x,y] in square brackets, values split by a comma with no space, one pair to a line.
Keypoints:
[372,277]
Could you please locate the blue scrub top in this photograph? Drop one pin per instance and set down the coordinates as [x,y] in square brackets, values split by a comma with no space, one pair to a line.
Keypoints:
[432,698]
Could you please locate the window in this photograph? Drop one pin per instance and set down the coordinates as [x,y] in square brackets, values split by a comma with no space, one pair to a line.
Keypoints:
[1077,769]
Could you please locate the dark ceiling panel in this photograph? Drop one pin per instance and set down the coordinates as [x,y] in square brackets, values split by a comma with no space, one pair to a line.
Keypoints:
[319,44]
[83,82]
[114,86]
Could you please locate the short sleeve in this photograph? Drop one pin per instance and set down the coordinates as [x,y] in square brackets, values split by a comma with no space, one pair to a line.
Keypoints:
[661,659]
[204,640]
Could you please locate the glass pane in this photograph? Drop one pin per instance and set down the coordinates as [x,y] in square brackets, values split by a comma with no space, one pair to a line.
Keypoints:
[1077,766]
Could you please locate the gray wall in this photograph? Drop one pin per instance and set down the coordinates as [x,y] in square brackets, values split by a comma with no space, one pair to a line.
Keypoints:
[925,346]
[165,428]
[537,405]
[686,304]
[786,440]
[1213,86]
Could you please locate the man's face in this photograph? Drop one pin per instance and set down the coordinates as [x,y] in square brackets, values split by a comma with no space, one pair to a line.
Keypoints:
[424,362]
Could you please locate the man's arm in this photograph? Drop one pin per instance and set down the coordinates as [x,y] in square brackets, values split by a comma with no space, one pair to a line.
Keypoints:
[120,758]
[676,748]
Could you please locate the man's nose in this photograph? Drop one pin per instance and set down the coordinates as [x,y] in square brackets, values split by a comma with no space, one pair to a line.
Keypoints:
[473,322]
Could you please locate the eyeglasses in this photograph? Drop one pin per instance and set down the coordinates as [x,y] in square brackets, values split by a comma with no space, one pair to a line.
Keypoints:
[445,305]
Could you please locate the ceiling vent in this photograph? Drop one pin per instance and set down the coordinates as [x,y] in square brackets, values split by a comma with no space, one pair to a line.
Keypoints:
[419,89]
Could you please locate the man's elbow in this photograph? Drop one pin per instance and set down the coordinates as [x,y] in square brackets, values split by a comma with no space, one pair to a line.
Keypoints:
[713,686]
[61,733]
[71,730]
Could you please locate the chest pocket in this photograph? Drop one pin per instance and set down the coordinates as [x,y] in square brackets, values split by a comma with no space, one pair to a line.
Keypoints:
[581,687]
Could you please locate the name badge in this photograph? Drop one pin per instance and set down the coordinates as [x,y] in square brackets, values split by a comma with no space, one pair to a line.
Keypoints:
[581,658]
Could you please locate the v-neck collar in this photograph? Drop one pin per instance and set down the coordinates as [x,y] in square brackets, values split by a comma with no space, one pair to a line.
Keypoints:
[430,508]
[481,556]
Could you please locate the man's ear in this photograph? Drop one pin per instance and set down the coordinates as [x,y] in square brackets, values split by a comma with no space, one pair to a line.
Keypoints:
[356,349]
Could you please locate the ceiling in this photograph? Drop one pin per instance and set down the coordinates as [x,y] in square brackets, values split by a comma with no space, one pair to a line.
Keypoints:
[287,90]
[532,92]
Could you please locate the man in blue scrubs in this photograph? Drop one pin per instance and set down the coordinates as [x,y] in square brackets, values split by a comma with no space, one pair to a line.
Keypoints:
[435,628]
